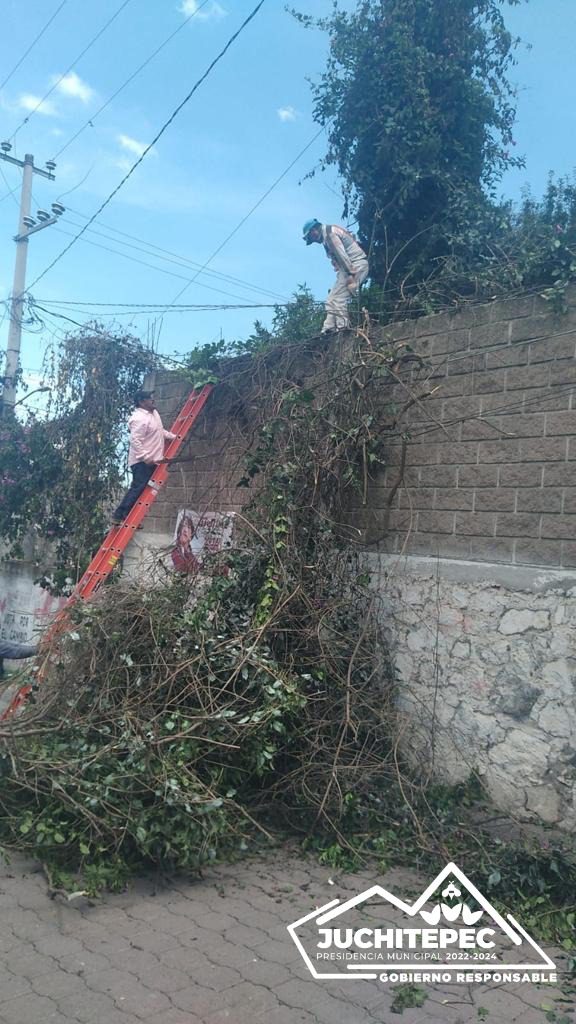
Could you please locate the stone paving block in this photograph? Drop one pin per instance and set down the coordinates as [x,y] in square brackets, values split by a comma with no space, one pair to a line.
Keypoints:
[164,979]
[217,977]
[12,985]
[301,994]
[261,972]
[57,984]
[56,945]
[226,953]
[108,946]
[152,940]
[190,960]
[213,921]
[202,1001]
[27,963]
[242,935]
[281,952]
[137,961]
[86,1006]
[83,963]
[28,1009]
[176,1016]
[287,1015]
[255,996]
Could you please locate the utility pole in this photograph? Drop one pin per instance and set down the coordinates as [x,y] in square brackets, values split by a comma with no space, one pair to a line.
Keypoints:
[27,226]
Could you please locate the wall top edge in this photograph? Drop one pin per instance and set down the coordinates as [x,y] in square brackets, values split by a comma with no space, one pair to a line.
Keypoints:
[534,579]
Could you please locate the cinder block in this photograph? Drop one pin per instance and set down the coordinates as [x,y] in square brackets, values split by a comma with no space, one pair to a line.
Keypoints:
[543,499]
[569,505]
[499,499]
[568,553]
[436,522]
[453,498]
[538,552]
[523,524]
[477,476]
[520,475]
[480,429]
[511,309]
[438,476]
[546,349]
[520,377]
[490,382]
[561,423]
[538,326]
[457,453]
[475,524]
[487,335]
[491,549]
[562,527]
[504,450]
[560,474]
[511,356]
[523,424]
[450,342]
[538,449]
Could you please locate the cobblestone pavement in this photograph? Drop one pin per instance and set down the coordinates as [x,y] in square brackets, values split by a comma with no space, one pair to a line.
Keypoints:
[211,952]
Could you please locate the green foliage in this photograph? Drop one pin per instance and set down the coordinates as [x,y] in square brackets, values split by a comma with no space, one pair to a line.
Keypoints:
[61,473]
[297,321]
[419,113]
[407,997]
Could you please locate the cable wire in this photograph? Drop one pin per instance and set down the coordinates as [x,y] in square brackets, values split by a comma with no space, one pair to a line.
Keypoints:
[72,65]
[250,212]
[171,257]
[33,44]
[143,263]
[90,121]
[159,134]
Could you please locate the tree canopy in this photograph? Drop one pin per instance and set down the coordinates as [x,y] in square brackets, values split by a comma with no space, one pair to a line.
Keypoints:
[419,108]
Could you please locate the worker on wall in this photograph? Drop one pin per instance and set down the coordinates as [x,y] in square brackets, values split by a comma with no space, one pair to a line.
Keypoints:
[351,264]
[147,439]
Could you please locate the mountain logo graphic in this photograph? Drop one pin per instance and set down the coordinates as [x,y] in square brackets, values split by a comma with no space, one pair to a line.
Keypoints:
[451,927]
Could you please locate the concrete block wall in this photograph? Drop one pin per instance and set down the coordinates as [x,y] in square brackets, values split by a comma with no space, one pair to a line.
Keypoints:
[491,457]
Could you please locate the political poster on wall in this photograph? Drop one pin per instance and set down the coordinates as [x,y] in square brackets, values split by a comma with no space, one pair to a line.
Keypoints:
[199,535]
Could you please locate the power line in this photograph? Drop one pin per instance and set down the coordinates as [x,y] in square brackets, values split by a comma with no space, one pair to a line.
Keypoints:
[33,43]
[72,65]
[10,191]
[250,212]
[164,127]
[90,121]
[143,263]
[127,309]
[172,257]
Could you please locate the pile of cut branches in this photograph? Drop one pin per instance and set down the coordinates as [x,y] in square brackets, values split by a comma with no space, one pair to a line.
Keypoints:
[173,726]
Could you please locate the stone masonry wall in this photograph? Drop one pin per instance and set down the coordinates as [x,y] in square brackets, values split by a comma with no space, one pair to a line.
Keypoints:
[486,665]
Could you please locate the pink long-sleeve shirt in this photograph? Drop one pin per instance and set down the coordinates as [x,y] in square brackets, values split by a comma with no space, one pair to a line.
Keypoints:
[147,437]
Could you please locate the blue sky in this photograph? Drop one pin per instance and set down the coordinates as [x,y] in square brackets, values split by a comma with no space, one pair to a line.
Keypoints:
[240,131]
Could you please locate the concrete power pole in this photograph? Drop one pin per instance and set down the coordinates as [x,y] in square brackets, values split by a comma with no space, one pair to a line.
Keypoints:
[27,226]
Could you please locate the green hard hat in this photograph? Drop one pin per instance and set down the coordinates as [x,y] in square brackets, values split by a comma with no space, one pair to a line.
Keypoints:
[308,228]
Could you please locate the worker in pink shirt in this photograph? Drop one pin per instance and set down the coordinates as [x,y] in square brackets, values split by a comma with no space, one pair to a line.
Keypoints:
[147,439]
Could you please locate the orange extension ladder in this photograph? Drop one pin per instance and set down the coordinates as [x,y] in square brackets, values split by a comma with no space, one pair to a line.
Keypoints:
[119,537]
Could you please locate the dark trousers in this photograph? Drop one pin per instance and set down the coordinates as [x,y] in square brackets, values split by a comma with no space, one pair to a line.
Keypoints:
[141,473]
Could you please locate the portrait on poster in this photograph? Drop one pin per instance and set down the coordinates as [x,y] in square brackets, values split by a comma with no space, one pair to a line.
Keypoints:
[198,536]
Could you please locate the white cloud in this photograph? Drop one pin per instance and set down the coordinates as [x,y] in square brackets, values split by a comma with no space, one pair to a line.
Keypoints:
[132,145]
[287,113]
[72,85]
[203,11]
[28,101]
